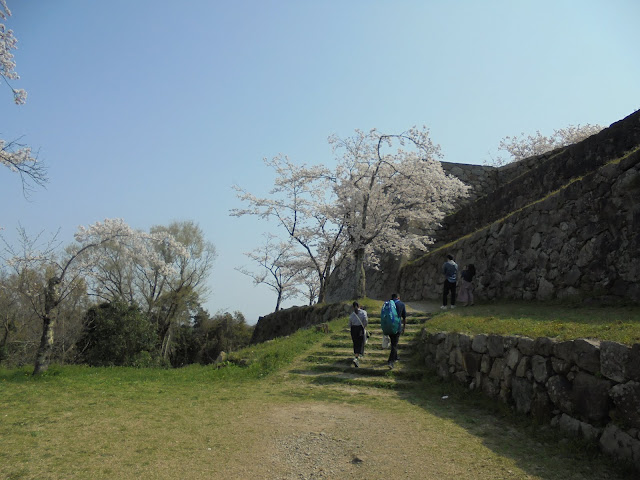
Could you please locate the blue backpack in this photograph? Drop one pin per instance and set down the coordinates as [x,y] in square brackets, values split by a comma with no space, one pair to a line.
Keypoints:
[389,319]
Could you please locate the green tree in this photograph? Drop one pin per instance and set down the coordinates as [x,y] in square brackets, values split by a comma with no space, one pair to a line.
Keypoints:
[115,334]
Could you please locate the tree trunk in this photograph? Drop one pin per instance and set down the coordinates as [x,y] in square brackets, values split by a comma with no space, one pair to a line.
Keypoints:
[322,291]
[279,300]
[51,300]
[360,290]
[43,357]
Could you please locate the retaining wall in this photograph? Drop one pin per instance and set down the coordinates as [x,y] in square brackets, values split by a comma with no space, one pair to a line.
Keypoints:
[587,388]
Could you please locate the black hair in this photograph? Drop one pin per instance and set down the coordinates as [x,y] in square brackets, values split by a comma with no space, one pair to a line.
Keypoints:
[355,305]
[450,257]
[394,296]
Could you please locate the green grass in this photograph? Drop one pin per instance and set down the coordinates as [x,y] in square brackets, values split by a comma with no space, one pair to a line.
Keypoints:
[77,422]
[562,322]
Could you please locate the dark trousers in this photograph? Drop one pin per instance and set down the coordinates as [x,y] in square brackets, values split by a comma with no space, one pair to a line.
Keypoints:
[357,335]
[393,355]
[449,286]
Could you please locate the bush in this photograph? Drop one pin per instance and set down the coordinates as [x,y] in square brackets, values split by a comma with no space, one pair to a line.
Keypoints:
[116,334]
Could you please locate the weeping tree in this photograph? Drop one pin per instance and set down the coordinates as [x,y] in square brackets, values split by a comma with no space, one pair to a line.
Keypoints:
[168,290]
[66,271]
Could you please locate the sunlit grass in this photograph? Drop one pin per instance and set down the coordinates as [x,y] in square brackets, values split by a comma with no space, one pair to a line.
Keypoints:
[531,319]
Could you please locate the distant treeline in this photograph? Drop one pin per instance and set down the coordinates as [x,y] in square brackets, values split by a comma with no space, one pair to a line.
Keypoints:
[120,334]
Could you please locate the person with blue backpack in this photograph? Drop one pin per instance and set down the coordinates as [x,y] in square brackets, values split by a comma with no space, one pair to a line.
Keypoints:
[393,320]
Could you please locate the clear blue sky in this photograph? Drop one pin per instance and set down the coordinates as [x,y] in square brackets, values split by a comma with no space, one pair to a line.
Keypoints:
[150,110]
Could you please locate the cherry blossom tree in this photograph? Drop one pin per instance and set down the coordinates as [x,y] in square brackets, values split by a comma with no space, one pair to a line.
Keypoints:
[302,203]
[278,268]
[389,198]
[13,155]
[525,146]
[166,295]
[66,271]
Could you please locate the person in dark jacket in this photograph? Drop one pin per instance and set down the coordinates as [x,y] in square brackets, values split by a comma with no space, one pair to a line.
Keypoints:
[466,285]
[450,271]
[402,313]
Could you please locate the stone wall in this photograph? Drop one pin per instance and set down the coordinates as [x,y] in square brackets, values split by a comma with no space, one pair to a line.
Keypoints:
[286,322]
[501,196]
[590,389]
[521,183]
[581,241]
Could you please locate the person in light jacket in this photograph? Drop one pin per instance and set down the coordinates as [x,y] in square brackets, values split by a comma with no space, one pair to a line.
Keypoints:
[358,322]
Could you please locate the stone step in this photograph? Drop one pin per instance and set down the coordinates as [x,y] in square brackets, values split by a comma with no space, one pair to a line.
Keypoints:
[356,379]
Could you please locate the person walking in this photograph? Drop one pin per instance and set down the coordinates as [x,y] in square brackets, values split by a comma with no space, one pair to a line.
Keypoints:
[450,271]
[466,287]
[401,310]
[358,322]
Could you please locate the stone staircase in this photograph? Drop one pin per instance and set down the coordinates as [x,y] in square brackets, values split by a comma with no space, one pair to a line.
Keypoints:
[330,362]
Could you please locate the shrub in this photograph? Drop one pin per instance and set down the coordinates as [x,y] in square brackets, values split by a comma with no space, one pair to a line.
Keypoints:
[116,334]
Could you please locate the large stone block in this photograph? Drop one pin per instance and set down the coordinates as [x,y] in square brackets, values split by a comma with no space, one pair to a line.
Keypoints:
[560,366]
[591,397]
[464,342]
[544,346]
[513,358]
[619,444]
[633,366]
[522,394]
[526,346]
[541,368]
[564,350]
[578,428]
[626,398]
[561,393]
[497,369]
[587,354]
[479,343]
[495,345]
[613,360]
[541,406]
[523,366]
[485,364]
[471,362]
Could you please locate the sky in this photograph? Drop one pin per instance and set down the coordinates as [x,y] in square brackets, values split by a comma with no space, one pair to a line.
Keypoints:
[149,110]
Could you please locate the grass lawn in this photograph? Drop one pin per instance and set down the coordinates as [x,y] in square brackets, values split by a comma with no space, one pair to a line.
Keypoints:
[77,422]
[562,322]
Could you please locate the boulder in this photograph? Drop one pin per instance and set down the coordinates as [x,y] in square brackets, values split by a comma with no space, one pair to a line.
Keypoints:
[591,397]
[587,354]
[561,393]
[479,343]
[613,360]
[619,444]
[626,398]
[522,394]
[495,345]
[541,368]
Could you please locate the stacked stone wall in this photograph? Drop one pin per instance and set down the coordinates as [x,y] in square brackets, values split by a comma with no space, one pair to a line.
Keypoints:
[587,388]
[286,322]
[581,241]
[518,184]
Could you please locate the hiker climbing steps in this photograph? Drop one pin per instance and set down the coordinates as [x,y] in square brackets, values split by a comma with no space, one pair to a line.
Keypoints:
[331,362]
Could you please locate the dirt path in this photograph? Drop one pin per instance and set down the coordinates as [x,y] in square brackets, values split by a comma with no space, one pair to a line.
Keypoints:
[369,422]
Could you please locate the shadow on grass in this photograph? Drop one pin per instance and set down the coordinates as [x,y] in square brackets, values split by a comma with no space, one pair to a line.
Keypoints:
[538,449]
